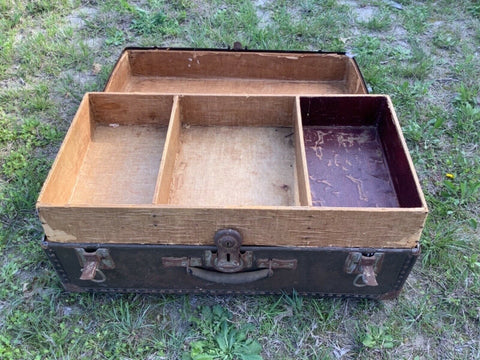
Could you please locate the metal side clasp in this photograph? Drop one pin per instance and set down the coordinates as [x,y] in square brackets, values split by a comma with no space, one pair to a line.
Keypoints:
[366,266]
[93,262]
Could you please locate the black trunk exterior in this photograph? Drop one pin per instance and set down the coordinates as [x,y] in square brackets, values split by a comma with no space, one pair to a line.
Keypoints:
[146,269]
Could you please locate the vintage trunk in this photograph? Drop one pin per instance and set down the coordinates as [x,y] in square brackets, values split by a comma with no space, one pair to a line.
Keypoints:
[233,172]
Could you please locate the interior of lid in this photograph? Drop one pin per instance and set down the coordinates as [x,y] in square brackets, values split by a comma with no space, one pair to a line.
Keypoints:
[220,72]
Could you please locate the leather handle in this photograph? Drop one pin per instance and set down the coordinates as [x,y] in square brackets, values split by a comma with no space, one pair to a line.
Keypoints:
[233,279]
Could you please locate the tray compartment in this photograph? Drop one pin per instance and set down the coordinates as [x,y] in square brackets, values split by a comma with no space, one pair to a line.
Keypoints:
[356,156]
[232,151]
[117,142]
[238,72]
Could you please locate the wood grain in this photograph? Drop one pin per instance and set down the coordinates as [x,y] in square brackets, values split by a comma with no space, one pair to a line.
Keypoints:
[131,109]
[237,110]
[172,146]
[231,86]
[219,72]
[121,75]
[234,165]
[402,170]
[120,166]
[249,65]
[276,226]
[304,191]
[62,177]
[354,83]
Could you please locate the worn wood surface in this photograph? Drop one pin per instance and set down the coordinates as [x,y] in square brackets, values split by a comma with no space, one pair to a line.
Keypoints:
[400,164]
[276,226]
[148,84]
[353,79]
[121,75]
[237,110]
[172,147]
[120,166]
[62,177]
[220,72]
[347,167]
[131,109]
[234,165]
[249,65]
[304,192]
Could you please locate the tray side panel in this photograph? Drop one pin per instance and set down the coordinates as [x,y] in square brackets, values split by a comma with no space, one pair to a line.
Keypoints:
[401,167]
[131,109]
[237,110]
[251,65]
[121,74]
[60,183]
[283,226]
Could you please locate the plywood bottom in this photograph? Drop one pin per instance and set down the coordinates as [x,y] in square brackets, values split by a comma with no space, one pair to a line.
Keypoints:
[232,86]
[232,165]
[347,167]
[120,166]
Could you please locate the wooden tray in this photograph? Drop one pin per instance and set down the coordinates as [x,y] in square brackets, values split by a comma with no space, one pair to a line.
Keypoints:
[315,171]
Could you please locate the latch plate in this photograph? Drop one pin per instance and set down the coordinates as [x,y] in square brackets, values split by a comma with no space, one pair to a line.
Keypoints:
[228,258]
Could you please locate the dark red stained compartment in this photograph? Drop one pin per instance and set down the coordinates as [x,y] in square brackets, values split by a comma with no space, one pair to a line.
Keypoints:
[355,156]
[346,167]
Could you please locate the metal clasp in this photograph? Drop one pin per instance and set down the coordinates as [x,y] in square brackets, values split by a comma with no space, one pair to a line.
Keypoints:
[366,266]
[93,262]
[228,258]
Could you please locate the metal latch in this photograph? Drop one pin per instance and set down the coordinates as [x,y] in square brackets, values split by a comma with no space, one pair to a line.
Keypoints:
[93,262]
[228,258]
[366,266]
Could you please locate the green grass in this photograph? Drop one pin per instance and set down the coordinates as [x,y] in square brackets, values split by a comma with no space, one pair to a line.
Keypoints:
[424,56]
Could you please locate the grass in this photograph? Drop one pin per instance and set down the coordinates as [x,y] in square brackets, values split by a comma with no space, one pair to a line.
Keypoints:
[424,55]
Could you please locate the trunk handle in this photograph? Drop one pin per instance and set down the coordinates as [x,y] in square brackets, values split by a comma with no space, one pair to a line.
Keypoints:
[230,278]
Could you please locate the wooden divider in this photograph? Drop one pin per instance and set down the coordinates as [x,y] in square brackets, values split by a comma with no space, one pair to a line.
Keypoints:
[305,195]
[170,150]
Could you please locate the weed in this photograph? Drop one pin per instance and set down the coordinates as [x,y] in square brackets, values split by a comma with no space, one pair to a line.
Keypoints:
[221,338]
[445,39]
[377,337]
[114,37]
[148,22]
[380,21]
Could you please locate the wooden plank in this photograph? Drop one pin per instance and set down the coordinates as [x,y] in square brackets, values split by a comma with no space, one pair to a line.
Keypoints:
[120,75]
[234,165]
[61,179]
[402,170]
[249,65]
[274,226]
[353,79]
[120,166]
[305,196]
[237,110]
[172,143]
[131,109]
